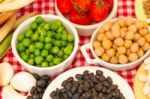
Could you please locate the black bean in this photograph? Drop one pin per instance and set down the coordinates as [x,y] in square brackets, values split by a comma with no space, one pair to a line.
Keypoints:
[29,97]
[85,73]
[37,77]
[41,83]
[33,89]
[36,96]
[64,83]
[100,95]
[70,79]
[106,83]
[76,96]
[99,72]
[102,78]
[109,80]
[99,87]
[45,77]
[69,94]
[79,76]
[87,95]
[40,89]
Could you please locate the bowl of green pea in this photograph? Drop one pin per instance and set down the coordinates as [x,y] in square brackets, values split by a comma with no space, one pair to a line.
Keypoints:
[45,44]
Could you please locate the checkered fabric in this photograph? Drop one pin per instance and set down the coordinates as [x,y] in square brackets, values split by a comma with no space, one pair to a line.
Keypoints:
[125,8]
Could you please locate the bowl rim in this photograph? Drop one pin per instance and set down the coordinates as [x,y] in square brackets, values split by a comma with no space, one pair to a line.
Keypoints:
[48,16]
[110,64]
[91,26]
[117,79]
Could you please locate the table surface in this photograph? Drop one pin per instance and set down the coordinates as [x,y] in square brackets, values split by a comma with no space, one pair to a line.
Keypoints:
[125,8]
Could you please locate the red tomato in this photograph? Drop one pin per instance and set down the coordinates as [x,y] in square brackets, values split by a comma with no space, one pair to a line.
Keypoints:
[109,4]
[65,6]
[82,5]
[98,11]
[78,18]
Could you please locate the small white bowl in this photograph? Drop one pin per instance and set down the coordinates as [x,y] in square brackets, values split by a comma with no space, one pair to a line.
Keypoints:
[87,30]
[97,60]
[54,70]
[122,84]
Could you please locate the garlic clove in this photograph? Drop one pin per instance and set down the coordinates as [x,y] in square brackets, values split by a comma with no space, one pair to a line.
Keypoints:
[9,93]
[143,78]
[6,73]
[23,81]
[147,61]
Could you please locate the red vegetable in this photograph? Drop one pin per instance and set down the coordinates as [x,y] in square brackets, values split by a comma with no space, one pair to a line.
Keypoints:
[65,6]
[109,4]
[78,18]
[98,11]
[82,5]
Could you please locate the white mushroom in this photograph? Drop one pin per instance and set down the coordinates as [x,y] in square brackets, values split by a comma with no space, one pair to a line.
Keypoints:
[23,81]
[9,93]
[6,73]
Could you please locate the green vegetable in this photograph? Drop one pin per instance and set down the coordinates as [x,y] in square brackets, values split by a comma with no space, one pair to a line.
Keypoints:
[39,60]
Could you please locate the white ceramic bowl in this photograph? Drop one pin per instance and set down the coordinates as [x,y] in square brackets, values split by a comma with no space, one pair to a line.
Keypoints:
[122,84]
[54,70]
[97,60]
[87,30]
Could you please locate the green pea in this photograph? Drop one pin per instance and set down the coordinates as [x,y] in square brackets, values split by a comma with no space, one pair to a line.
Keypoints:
[35,37]
[41,38]
[25,57]
[26,42]
[64,37]
[31,48]
[44,53]
[58,22]
[54,26]
[44,64]
[57,43]
[55,50]
[65,57]
[27,51]
[70,37]
[28,33]
[39,20]
[30,61]
[56,61]
[38,60]
[63,43]
[48,46]
[49,58]
[60,29]
[39,45]
[60,53]
[49,34]
[20,47]
[47,40]
[31,56]
[67,51]
[42,32]
[51,63]
[21,36]
[71,46]
[47,26]
[34,25]
[37,52]
[58,36]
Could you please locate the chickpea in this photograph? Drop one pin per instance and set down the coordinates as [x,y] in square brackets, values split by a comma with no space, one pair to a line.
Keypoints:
[133,57]
[122,50]
[141,41]
[145,24]
[139,24]
[114,60]
[128,43]
[105,57]
[115,47]
[122,22]
[96,44]
[101,30]
[107,26]
[110,52]
[116,32]
[115,26]
[134,47]
[99,51]
[132,28]
[109,35]
[128,52]
[146,47]
[143,32]
[140,53]
[137,37]
[123,59]
[147,37]
[124,28]
[129,35]
[123,33]
[119,41]
[129,21]
[100,36]
[107,44]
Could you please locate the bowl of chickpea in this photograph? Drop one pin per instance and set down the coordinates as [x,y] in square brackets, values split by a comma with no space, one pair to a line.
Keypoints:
[120,44]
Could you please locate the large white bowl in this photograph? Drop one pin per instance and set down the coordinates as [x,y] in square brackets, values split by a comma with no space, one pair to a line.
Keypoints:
[54,70]
[97,60]
[87,30]
[122,84]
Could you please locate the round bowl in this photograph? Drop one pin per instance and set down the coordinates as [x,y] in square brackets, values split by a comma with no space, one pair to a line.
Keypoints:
[97,60]
[87,30]
[122,84]
[53,70]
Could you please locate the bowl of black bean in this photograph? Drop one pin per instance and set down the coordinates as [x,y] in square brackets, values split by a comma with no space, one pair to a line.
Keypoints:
[88,82]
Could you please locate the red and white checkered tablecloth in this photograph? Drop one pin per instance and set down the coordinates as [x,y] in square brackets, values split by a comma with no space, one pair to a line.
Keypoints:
[125,8]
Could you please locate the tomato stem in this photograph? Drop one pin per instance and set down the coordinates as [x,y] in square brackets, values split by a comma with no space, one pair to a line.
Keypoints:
[100,3]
